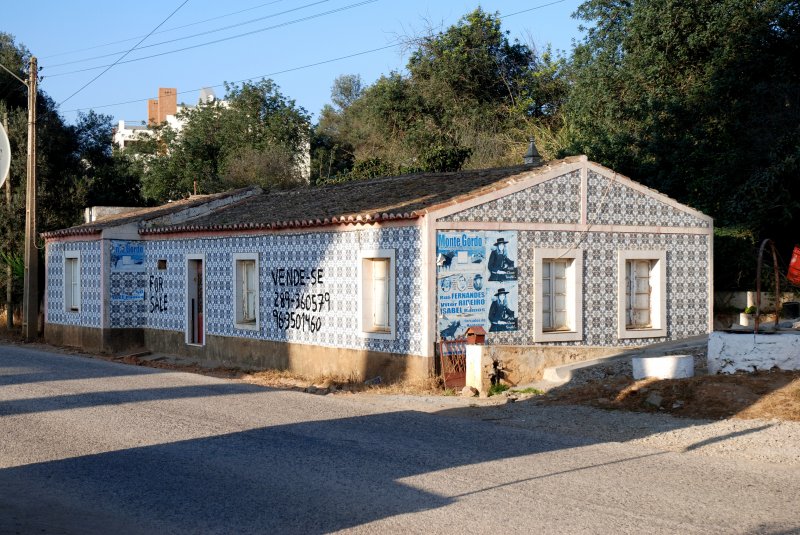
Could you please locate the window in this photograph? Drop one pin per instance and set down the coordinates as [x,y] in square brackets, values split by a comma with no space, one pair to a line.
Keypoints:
[642,307]
[554,295]
[246,280]
[558,295]
[72,281]
[637,302]
[377,294]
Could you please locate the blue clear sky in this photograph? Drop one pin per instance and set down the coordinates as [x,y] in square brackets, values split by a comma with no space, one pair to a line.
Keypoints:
[58,30]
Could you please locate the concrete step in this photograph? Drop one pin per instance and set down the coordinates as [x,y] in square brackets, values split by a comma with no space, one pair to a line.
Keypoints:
[559,375]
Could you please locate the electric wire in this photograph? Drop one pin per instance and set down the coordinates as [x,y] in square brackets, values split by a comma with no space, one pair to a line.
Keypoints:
[207,32]
[166,30]
[532,9]
[281,25]
[291,69]
[125,54]
[275,73]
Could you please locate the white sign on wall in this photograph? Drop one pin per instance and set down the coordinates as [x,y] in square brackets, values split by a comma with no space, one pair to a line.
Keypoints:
[5,155]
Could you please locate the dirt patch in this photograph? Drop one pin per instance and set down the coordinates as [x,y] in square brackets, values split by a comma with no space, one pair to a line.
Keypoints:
[762,395]
[765,395]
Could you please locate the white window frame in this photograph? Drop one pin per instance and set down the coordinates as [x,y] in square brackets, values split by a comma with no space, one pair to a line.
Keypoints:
[186,312]
[72,255]
[658,294]
[237,292]
[574,275]
[365,328]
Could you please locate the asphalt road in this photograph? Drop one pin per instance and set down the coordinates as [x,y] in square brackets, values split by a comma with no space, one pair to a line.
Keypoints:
[88,446]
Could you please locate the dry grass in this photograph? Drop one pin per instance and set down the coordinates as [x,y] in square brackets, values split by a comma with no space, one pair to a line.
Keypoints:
[335,383]
[766,395]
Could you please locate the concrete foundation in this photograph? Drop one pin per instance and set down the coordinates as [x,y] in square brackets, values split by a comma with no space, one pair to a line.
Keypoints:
[94,340]
[732,352]
[525,364]
[245,353]
[303,359]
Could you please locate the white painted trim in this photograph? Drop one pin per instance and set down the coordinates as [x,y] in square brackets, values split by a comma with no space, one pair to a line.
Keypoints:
[428,287]
[528,179]
[569,227]
[658,295]
[255,326]
[574,291]
[298,231]
[187,312]
[76,255]
[621,179]
[710,264]
[46,282]
[584,192]
[105,284]
[375,254]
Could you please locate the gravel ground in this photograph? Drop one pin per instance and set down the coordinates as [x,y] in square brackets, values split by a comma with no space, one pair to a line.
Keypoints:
[621,367]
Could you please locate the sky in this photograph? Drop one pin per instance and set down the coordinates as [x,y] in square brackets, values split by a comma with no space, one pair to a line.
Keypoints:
[303,45]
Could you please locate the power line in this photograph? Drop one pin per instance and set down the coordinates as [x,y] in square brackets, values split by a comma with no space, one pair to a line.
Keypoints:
[532,9]
[14,75]
[125,54]
[281,25]
[164,30]
[275,73]
[292,69]
[207,32]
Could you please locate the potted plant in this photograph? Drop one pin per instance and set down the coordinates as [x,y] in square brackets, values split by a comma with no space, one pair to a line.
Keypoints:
[748,317]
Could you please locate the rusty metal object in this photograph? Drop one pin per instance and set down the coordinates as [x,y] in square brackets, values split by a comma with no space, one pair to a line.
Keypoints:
[758,284]
[453,354]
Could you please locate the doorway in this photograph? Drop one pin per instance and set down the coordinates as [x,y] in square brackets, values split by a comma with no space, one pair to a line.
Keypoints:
[195,301]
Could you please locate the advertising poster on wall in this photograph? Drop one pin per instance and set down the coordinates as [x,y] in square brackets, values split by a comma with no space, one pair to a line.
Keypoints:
[476,275]
[127,256]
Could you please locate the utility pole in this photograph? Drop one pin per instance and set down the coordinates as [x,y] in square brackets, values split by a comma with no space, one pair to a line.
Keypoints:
[9,273]
[30,304]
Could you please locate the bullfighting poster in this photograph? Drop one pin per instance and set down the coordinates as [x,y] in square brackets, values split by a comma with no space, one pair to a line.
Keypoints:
[476,275]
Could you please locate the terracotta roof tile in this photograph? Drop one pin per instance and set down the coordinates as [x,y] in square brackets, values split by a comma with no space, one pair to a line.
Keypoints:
[401,197]
[144,214]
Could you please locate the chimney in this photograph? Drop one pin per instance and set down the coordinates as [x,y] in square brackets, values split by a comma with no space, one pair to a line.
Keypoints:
[532,156]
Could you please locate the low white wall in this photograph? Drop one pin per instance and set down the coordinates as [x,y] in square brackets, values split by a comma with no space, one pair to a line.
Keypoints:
[741,300]
[729,353]
[664,367]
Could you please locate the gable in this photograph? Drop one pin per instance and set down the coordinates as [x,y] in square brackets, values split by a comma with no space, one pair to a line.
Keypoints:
[557,200]
[613,202]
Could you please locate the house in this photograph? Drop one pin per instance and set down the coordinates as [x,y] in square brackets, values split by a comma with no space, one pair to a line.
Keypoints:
[161,110]
[559,261]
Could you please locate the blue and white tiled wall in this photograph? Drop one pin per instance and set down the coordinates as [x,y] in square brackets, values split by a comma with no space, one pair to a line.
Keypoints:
[129,314]
[335,253]
[608,203]
[555,201]
[687,284]
[612,203]
[90,314]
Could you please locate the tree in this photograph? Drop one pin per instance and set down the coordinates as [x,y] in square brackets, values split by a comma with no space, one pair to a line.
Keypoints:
[258,137]
[471,97]
[698,99]
[59,156]
[109,176]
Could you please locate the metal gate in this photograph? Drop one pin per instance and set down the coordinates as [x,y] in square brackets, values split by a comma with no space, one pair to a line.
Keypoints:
[453,358]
